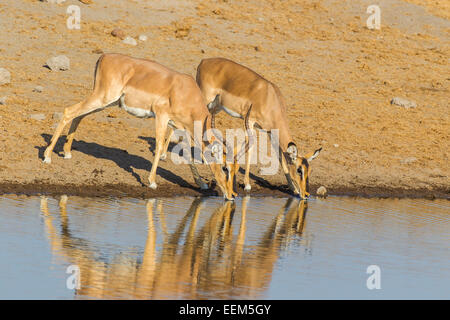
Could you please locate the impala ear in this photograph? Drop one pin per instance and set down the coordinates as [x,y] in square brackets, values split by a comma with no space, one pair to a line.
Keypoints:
[312,155]
[292,151]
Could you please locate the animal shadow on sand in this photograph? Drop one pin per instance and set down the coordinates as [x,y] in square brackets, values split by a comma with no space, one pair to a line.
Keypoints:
[121,157]
[266,184]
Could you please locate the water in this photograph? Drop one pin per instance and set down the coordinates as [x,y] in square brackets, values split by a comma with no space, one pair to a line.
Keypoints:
[203,248]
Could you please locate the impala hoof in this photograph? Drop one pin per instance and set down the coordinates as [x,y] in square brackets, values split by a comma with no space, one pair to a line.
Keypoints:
[153,185]
[248,187]
[67,156]
[47,160]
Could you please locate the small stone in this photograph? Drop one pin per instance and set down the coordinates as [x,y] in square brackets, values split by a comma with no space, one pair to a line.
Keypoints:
[129,40]
[119,33]
[336,145]
[87,1]
[38,89]
[54,1]
[143,37]
[260,19]
[5,76]
[403,103]
[60,63]
[408,160]
[57,115]
[322,192]
[97,51]
[37,116]
[3,100]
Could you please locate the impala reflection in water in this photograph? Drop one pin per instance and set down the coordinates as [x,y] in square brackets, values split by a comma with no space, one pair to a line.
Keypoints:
[190,262]
[203,248]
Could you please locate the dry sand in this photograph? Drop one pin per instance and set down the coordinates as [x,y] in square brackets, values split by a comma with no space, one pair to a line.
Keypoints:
[337,76]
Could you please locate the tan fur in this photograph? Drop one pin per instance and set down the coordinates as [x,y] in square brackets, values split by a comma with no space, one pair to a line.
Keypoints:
[229,86]
[143,88]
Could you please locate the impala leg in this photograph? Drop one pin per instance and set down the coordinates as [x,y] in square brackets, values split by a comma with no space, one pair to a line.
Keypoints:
[70,135]
[197,178]
[166,145]
[70,113]
[161,128]
[62,123]
[248,155]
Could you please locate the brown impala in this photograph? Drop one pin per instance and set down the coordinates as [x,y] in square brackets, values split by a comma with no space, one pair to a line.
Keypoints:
[231,87]
[146,89]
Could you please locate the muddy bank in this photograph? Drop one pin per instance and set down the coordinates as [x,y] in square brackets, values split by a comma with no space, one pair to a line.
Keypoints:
[122,190]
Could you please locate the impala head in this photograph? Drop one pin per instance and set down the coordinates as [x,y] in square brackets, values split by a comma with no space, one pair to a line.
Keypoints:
[224,172]
[299,169]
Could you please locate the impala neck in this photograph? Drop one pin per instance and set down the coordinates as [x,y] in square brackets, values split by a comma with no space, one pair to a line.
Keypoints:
[285,137]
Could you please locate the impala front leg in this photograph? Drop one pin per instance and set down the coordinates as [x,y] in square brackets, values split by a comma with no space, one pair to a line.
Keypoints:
[250,138]
[161,128]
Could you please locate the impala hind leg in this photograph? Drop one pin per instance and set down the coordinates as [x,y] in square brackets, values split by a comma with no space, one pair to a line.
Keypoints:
[68,145]
[70,113]
[161,128]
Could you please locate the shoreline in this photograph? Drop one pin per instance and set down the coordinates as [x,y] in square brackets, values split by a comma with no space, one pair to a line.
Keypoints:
[143,192]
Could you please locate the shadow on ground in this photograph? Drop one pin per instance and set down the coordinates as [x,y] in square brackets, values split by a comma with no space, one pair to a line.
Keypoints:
[121,157]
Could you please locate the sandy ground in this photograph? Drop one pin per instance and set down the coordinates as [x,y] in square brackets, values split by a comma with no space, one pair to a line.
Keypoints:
[337,76]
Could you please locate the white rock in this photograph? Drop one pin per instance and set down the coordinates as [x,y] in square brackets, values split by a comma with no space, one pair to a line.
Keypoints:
[408,160]
[143,37]
[5,76]
[403,103]
[54,1]
[129,40]
[57,115]
[3,100]
[38,89]
[37,116]
[61,63]
[321,192]
[336,145]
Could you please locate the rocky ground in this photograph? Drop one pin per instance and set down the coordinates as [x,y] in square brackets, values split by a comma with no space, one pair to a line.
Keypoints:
[338,78]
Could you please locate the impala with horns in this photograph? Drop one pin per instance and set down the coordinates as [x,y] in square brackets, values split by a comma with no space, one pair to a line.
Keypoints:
[146,89]
[233,88]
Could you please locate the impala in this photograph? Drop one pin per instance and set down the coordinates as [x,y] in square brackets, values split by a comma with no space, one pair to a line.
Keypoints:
[146,89]
[233,88]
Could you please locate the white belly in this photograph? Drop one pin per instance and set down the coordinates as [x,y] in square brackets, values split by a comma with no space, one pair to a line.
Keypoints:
[137,112]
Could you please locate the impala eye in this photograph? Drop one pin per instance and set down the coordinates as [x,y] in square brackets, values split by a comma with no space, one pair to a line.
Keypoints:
[300,172]
[225,169]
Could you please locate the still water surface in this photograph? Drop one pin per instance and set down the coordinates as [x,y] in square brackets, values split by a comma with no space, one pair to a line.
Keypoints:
[205,248]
